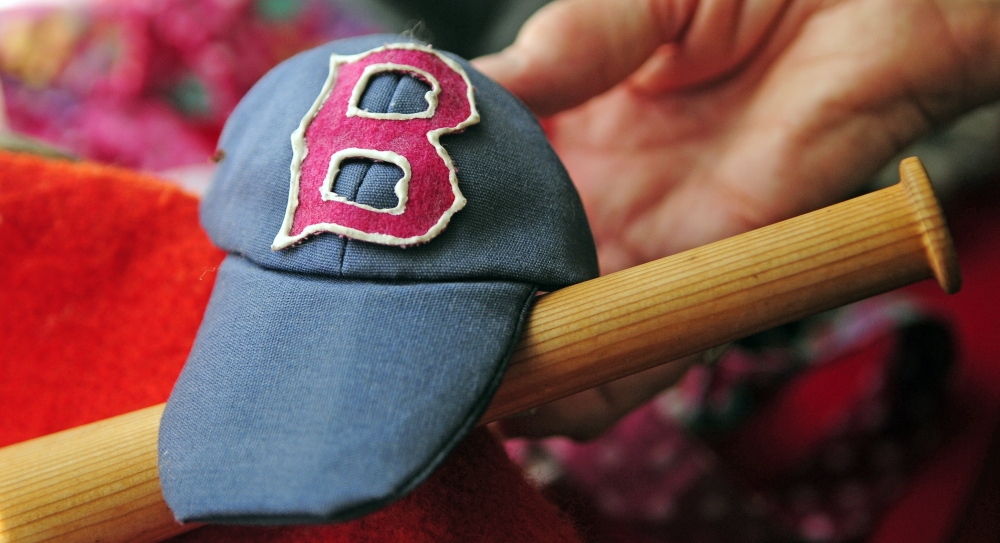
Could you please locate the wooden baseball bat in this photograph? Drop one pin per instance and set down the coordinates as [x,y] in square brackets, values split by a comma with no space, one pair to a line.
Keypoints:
[99,482]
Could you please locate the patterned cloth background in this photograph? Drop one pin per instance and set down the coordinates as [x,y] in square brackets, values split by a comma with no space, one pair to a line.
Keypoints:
[148,83]
[805,433]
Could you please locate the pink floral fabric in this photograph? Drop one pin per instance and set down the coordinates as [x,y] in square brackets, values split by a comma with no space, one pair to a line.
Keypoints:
[148,83]
[805,433]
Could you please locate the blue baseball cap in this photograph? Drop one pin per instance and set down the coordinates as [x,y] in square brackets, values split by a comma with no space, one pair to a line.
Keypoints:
[389,215]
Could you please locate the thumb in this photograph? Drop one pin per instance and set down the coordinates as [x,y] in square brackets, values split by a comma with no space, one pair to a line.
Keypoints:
[573,50]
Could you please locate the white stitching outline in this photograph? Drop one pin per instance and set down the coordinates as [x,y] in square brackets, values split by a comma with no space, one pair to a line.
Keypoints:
[401,188]
[430,96]
[299,151]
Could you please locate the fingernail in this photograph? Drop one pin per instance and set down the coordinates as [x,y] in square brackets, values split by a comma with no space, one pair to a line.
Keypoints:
[502,66]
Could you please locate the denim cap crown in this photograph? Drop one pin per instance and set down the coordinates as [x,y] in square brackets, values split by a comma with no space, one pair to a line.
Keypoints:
[523,220]
[332,377]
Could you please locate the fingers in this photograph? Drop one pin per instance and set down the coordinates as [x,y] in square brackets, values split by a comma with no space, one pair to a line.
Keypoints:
[588,414]
[974,28]
[820,124]
[720,38]
[572,50]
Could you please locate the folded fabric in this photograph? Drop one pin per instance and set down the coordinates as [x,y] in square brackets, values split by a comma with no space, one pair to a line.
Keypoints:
[805,432]
[389,214]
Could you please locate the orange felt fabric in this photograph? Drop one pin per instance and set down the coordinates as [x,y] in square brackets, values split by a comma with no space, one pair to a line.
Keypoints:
[104,275]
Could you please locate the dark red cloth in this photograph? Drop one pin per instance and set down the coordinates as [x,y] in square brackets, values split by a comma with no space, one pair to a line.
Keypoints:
[105,274]
[791,448]
[938,497]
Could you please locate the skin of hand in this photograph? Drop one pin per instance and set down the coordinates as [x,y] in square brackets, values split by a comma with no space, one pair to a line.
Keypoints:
[683,122]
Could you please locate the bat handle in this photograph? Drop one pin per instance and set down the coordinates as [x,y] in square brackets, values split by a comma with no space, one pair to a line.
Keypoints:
[936,238]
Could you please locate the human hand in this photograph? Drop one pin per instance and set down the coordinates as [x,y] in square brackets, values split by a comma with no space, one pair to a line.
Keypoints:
[684,122]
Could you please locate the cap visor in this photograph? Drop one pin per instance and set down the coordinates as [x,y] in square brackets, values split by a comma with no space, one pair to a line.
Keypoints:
[316,399]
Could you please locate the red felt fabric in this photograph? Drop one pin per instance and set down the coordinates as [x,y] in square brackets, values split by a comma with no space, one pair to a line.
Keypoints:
[431,197]
[105,274]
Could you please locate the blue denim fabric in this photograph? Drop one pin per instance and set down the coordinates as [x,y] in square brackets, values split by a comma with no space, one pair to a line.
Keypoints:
[368,182]
[330,378]
[395,92]
[309,400]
